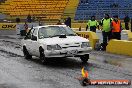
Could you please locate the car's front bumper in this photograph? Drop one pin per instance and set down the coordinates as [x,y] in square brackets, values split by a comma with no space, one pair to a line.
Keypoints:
[68,52]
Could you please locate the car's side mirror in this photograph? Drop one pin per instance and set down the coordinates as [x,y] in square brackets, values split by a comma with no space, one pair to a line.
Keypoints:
[34,38]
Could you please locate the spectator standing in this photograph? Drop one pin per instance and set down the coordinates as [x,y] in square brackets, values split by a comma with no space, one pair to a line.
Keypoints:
[93,24]
[68,22]
[116,28]
[126,21]
[29,18]
[106,31]
[33,18]
[26,27]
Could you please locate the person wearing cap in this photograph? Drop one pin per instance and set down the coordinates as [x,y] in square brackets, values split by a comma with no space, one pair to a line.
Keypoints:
[93,24]
[116,28]
[106,29]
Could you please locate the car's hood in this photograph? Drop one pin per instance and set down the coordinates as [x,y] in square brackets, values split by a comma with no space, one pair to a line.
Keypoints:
[69,39]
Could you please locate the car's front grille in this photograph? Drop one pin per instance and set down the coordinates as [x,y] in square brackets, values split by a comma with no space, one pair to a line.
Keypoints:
[70,46]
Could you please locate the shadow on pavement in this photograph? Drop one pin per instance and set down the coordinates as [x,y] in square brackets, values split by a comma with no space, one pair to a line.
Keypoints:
[62,63]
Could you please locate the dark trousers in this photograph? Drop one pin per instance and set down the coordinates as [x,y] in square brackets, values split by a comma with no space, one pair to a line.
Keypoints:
[126,25]
[116,35]
[93,28]
[106,38]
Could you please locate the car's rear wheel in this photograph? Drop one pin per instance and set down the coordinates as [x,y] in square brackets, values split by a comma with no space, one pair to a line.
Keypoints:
[26,53]
[42,56]
[84,58]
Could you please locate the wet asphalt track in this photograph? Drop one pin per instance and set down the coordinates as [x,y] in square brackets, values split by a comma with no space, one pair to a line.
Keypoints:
[17,72]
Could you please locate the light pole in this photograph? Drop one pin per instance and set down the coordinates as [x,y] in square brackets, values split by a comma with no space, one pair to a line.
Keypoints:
[131,24]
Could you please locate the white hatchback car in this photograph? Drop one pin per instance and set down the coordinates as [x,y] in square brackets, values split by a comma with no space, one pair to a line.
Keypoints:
[55,41]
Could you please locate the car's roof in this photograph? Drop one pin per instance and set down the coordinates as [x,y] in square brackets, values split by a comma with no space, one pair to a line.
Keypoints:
[49,26]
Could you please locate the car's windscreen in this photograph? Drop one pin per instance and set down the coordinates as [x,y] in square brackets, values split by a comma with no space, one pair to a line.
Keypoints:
[54,31]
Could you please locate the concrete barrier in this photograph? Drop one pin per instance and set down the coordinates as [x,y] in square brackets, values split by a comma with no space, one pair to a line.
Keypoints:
[129,35]
[122,47]
[93,38]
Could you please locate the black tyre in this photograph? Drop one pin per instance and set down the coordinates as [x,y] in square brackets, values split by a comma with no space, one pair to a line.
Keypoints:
[85,82]
[26,53]
[84,58]
[42,56]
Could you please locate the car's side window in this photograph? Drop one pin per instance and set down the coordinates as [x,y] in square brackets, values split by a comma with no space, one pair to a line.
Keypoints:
[42,32]
[34,35]
[29,34]
[35,32]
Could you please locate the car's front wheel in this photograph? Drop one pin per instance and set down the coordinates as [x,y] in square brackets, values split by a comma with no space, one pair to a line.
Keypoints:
[26,53]
[84,58]
[42,55]
[85,82]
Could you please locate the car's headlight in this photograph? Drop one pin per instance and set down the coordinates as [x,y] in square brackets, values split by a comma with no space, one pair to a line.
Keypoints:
[53,47]
[85,44]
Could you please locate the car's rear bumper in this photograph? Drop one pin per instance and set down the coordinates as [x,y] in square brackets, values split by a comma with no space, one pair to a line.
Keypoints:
[68,53]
